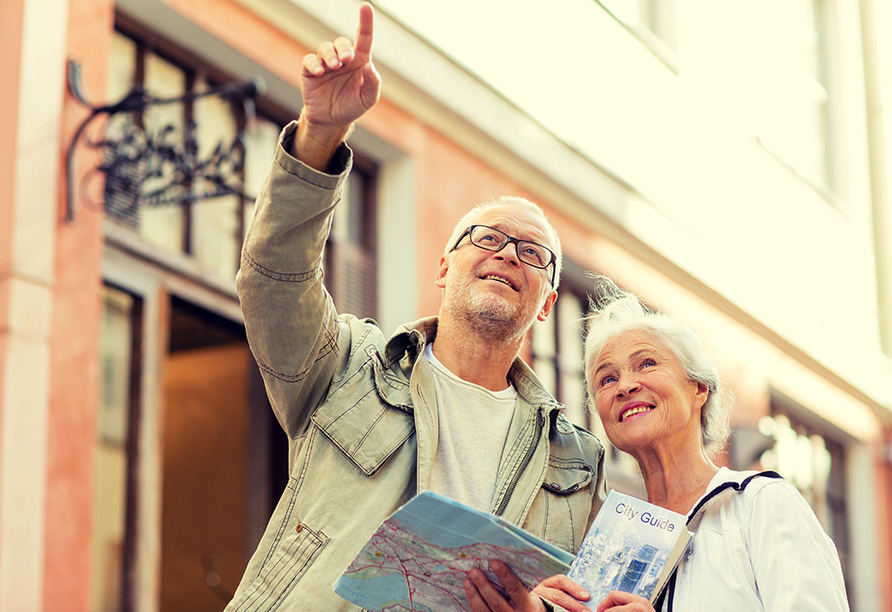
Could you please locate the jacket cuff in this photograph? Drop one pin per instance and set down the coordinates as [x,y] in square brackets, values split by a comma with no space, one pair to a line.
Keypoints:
[340,163]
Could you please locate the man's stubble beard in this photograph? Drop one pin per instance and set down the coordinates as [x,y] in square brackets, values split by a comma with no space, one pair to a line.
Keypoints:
[489,315]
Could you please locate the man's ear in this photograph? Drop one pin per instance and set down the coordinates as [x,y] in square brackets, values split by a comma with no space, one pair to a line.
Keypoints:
[441,273]
[546,307]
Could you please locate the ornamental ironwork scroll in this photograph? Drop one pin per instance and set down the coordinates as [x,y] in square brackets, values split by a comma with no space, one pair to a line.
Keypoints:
[144,167]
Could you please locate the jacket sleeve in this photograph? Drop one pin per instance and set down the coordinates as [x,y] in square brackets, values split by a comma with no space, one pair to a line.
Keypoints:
[290,320]
[795,563]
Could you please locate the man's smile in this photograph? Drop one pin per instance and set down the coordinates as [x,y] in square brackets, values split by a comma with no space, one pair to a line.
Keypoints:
[500,279]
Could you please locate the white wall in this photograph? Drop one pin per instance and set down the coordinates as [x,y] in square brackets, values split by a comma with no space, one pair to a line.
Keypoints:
[678,140]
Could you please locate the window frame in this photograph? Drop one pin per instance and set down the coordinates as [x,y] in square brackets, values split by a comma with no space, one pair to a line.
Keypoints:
[130,442]
[834,514]
[196,71]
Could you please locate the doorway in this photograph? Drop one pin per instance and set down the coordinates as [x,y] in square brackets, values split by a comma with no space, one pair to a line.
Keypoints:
[223,460]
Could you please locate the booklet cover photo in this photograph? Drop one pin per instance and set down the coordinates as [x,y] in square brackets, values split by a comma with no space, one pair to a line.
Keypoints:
[632,546]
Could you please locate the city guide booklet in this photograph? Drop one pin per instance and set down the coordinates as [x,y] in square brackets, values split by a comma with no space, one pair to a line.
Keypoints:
[632,546]
[418,558]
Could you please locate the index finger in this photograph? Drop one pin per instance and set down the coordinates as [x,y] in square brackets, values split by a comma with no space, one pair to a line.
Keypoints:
[366,29]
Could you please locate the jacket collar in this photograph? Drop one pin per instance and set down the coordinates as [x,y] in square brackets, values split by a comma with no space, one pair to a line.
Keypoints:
[408,342]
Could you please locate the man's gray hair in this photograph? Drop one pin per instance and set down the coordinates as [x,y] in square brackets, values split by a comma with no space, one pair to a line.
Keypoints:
[617,311]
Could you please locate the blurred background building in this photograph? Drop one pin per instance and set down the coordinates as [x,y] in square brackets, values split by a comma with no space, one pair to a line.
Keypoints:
[726,161]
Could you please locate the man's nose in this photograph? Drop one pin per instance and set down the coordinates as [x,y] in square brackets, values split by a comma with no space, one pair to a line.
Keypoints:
[509,253]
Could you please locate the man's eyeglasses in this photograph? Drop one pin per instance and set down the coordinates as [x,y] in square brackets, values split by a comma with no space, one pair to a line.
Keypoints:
[491,239]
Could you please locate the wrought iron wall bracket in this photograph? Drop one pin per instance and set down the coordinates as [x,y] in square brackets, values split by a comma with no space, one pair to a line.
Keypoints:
[133,157]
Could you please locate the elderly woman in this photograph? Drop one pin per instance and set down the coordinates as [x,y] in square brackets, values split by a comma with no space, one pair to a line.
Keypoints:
[757,543]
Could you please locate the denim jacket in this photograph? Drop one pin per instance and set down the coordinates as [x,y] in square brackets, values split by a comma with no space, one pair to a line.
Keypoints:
[360,411]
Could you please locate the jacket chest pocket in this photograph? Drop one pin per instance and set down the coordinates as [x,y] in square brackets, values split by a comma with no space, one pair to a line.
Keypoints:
[364,427]
[566,477]
[560,513]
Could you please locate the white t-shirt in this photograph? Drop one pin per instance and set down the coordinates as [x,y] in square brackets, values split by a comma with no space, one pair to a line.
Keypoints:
[473,423]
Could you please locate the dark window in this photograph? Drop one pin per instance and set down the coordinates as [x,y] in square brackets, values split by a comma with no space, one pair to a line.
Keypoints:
[809,456]
[351,251]
[115,452]
[558,358]
[557,351]
[181,220]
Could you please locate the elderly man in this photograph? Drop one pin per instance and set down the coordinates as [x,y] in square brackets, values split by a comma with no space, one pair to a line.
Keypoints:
[445,404]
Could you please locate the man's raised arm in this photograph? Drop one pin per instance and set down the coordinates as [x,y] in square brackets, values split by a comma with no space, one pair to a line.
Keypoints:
[290,321]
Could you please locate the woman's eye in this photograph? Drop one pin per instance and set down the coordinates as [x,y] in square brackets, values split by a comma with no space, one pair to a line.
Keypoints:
[646,363]
[606,380]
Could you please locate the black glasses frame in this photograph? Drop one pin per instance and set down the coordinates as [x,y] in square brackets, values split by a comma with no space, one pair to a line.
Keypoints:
[508,240]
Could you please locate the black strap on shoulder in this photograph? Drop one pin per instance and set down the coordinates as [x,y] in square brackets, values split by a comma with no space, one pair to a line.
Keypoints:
[669,590]
[737,486]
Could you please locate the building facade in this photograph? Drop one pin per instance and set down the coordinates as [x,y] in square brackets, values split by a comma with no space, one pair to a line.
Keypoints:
[726,163]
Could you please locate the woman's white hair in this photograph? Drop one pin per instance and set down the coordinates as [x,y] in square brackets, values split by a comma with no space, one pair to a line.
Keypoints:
[616,311]
[472,215]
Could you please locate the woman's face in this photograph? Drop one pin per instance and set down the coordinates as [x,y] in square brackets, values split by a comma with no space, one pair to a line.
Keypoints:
[643,396]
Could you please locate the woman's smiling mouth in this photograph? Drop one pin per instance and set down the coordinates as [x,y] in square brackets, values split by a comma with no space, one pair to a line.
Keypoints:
[633,409]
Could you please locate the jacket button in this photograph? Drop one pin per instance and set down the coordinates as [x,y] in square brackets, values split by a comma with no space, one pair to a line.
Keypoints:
[299,528]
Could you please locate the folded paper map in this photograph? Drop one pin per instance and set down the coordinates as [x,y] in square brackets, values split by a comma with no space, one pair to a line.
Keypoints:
[418,558]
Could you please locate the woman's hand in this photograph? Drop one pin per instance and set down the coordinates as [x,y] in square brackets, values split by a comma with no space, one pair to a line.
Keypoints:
[618,601]
[563,592]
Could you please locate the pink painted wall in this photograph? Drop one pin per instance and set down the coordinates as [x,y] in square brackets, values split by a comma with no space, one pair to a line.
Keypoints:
[74,357]
[10,51]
